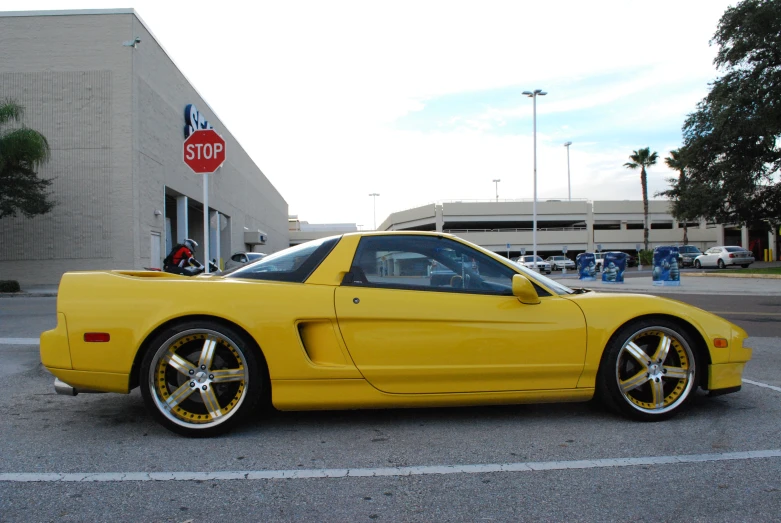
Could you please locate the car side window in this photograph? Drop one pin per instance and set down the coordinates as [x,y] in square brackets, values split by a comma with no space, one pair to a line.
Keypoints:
[428,263]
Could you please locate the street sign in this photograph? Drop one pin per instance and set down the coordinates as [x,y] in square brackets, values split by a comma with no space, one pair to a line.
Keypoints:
[523,251]
[508,246]
[564,249]
[204,151]
[599,247]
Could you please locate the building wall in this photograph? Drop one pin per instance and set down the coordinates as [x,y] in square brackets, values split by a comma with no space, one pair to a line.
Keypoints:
[114,118]
[76,91]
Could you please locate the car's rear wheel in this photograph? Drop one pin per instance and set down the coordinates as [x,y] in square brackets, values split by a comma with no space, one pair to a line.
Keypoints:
[648,371]
[721,264]
[745,265]
[697,264]
[200,377]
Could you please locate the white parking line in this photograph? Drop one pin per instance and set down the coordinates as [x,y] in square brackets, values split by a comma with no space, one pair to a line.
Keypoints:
[765,385]
[18,341]
[87,477]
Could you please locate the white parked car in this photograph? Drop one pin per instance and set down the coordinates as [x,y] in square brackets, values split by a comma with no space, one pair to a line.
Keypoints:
[243,258]
[528,261]
[723,255]
[560,262]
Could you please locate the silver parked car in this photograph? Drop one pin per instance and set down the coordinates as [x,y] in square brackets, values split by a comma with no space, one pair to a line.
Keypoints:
[539,265]
[242,258]
[723,255]
[560,262]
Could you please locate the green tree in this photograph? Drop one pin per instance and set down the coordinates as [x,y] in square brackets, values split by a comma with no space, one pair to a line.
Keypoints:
[22,152]
[643,158]
[730,141]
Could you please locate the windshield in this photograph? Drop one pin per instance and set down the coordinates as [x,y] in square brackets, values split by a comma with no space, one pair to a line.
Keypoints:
[530,259]
[553,285]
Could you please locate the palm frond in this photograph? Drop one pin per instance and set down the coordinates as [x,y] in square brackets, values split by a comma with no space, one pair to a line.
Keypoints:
[10,110]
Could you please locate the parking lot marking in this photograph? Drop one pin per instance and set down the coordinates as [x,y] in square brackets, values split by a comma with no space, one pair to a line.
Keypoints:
[18,341]
[765,385]
[103,477]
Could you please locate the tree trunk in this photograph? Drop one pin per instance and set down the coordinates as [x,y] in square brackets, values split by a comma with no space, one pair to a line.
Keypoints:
[685,234]
[644,182]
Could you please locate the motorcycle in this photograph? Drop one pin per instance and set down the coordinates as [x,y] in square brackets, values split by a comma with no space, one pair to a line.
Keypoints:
[194,268]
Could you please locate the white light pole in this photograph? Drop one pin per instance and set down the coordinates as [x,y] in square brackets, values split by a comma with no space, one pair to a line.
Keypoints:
[569,185]
[374,196]
[533,95]
[496,182]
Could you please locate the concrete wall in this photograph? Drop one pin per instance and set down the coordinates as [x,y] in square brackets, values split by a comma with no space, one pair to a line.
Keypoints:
[552,238]
[73,77]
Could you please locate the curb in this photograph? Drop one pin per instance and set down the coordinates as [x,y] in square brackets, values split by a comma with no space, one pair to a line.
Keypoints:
[738,275]
[28,294]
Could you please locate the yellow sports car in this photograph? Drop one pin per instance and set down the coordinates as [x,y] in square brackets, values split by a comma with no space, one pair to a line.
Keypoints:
[356,321]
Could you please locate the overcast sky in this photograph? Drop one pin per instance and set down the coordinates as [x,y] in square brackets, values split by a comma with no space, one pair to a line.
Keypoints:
[421,101]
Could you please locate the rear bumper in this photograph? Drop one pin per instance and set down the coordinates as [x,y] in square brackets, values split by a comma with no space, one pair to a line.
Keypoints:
[55,349]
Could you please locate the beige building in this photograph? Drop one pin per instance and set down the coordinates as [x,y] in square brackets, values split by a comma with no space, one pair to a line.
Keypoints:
[115,110]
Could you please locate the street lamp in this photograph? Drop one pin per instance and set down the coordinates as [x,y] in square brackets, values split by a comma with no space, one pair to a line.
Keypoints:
[496,182]
[374,196]
[569,185]
[533,95]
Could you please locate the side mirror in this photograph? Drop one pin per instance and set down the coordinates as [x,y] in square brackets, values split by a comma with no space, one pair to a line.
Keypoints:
[524,290]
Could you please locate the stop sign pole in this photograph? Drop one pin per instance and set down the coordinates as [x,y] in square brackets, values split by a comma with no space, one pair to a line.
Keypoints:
[204,152]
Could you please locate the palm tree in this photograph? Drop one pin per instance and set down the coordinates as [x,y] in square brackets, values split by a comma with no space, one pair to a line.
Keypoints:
[643,158]
[675,161]
[22,152]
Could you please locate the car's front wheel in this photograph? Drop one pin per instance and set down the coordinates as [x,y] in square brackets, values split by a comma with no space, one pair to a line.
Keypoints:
[200,377]
[648,371]
[745,265]
[697,264]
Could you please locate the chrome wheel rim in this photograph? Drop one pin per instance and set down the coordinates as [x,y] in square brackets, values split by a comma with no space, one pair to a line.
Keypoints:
[198,378]
[655,370]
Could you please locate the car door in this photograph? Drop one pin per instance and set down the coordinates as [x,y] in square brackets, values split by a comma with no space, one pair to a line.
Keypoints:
[406,336]
[711,258]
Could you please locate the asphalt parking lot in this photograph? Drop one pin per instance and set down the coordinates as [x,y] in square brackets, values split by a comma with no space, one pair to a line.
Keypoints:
[95,457]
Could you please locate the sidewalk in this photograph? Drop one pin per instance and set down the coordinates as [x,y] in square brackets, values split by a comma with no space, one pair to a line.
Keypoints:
[691,283]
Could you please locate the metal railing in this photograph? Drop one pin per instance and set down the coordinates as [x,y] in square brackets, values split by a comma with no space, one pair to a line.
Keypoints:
[549,229]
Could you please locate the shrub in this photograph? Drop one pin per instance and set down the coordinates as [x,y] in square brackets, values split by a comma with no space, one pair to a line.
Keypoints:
[9,286]
[646,257]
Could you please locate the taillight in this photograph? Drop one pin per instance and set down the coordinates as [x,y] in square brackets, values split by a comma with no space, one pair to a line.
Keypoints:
[732,255]
[96,337]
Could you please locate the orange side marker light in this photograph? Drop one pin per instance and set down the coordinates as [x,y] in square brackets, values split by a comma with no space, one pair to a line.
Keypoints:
[720,343]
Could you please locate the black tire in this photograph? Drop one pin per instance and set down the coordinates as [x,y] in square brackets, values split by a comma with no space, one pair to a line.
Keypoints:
[697,264]
[649,370]
[720,263]
[555,268]
[745,265]
[599,267]
[220,362]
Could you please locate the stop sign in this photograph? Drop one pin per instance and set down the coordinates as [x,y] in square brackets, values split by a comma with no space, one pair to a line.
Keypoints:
[204,151]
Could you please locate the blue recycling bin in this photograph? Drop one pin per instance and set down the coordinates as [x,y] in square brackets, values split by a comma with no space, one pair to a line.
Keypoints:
[613,267]
[586,265]
[666,266]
